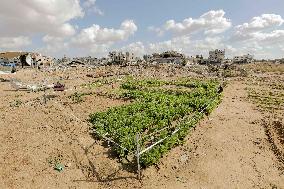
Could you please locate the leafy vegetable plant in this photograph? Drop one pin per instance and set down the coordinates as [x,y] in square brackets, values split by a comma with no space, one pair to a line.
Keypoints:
[156,113]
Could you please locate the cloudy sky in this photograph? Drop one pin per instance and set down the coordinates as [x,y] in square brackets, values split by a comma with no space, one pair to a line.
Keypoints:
[95,27]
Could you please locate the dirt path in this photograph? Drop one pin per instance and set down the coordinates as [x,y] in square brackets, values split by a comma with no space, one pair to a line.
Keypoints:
[228,150]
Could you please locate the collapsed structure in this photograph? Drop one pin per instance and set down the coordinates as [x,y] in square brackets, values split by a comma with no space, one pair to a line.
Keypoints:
[243,59]
[92,60]
[216,56]
[120,57]
[198,59]
[23,59]
[279,61]
[172,57]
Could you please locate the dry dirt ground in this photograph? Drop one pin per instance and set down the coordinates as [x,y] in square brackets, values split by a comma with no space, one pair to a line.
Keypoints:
[229,149]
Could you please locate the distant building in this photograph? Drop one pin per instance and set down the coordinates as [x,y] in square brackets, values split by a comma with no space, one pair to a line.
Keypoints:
[130,57]
[243,59]
[148,58]
[171,54]
[40,60]
[120,57]
[216,56]
[11,58]
[198,59]
[4,60]
[279,61]
[87,60]
[25,59]
[227,61]
[170,57]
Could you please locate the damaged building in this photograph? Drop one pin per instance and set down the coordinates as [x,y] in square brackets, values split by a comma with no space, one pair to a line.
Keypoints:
[25,59]
[122,58]
[216,56]
[91,60]
[198,59]
[10,58]
[171,57]
[245,59]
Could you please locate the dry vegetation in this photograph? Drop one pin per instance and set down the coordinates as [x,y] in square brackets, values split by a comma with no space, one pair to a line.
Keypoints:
[265,67]
[266,90]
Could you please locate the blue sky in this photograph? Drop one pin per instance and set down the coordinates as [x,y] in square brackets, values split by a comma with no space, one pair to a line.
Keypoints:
[95,27]
[156,12]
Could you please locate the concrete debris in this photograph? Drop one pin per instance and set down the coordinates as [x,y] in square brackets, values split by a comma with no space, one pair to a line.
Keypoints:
[183,158]
[4,80]
[170,57]
[59,87]
[25,59]
[4,72]
[18,85]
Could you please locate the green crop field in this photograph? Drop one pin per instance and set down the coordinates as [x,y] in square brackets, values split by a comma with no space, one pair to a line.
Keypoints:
[161,111]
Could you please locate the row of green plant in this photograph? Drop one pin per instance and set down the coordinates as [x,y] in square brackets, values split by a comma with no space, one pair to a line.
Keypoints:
[155,114]
[99,83]
[132,84]
[78,97]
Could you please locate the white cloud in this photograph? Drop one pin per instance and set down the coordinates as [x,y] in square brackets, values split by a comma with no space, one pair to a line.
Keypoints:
[97,35]
[48,39]
[7,43]
[95,50]
[261,28]
[18,17]
[91,7]
[186,45]
[160,32]
[276,36]
[183,44]
[98,41]
[137,48]
[260,36]
[89,3]
[21,21]
[212,22]
[100,50]
[261,22]
[54,45]
[98,11]
[281,48]
[178,44]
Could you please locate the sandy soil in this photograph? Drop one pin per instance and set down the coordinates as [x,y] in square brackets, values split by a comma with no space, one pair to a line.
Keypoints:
[229,149]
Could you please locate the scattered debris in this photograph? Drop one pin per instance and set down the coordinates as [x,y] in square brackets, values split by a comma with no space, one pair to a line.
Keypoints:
[4,72]
[16,103]
[183,158]
[18,85]
[4,80]
[59,167]
[59,87]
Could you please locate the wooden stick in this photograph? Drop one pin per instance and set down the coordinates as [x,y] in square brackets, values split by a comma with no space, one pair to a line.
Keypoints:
[138,156]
